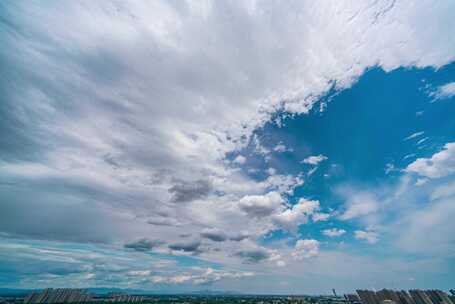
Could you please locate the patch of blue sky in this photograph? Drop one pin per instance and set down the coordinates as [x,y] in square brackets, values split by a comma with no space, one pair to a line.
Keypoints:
[369,134]
[188,261]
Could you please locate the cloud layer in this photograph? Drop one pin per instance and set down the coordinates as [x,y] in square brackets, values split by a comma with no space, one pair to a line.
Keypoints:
[129,125]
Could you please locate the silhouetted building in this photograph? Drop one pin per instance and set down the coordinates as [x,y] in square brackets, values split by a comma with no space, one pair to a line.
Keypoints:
[59,295]
[420,297]
[438,296]
[387,301]
[124,298]
[368,297]
[352,298]
[387,294]
[404,297]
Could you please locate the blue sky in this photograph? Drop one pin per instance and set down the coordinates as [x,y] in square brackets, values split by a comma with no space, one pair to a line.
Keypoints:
[243,146]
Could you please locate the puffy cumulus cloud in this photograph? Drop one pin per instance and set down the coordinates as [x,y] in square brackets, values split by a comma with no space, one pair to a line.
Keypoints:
[305,249]
[191,246]
[136,112]
[254,254]
[261,205]
[239,236]
[280,148]
[296,214]
[315,159]
[333,232]
[276,258]
[282,183]
[240,159]
[214,234]
[445,91]
[272,208]
[163,221]
[439,165]
[189,191]
[144,244]
[371,237]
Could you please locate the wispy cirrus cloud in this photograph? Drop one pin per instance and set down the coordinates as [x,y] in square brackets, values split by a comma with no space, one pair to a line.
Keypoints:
[445,91]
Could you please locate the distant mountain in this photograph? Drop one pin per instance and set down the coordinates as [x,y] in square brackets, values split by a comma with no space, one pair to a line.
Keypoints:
[215,292]
[106,290]
[14,291]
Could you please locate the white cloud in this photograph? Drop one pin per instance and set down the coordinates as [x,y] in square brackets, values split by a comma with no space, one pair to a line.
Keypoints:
[389,168]
[281,263]
[272,207]
[439,165]
[312,170]
[185,247]
[252,254]
[144,244]
[421,141]
[421,181]
[305,249]
[207,276]
[261,205]
[240,160]
[429,229]
[163,221]
[139,273]
[358,205]
[443,191]
[282,183]
[214,234]
[320,217]
[315,159]
[444,91]
[371,237]
[271,171]
[280,148]
[414,135]
[51,264]
[333,232]
[154,111]
[296,214]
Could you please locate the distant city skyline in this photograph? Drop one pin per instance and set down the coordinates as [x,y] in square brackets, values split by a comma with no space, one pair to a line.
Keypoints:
[383,296]
[261,147]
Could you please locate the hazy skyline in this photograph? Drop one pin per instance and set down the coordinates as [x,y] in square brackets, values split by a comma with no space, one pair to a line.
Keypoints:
[262,147]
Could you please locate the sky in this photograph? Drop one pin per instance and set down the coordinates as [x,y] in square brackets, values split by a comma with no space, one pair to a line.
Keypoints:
[248,146]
